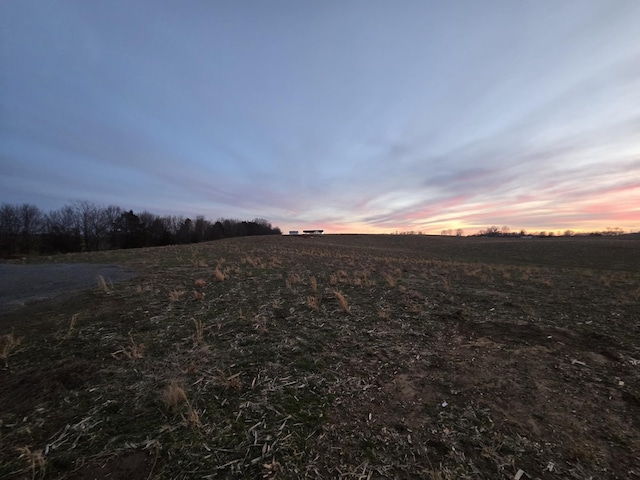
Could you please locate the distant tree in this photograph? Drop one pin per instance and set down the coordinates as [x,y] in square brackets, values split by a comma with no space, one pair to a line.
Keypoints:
[31,223]
[160,232]
[9,229]
[185,231]
[492,231]
[199,229]
[61,231]
[459,232]
[112,218]
[92,223]
[130,234]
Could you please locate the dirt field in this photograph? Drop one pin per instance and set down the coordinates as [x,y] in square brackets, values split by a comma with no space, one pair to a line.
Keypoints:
[333,357]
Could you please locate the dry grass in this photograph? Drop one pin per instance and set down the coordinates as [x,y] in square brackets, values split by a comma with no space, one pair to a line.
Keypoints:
[174,396]
[8,343]
[37,462]
[200,282]
[72,324]
[176,295]
[314,284]
[102,284]
[313,302]
[135,350]
[198,296]
[220,276]
[199,335]
[391,280]
[230,381]
[292,279]
[342,301]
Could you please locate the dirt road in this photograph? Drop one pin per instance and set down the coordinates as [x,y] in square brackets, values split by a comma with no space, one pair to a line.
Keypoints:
[22,284]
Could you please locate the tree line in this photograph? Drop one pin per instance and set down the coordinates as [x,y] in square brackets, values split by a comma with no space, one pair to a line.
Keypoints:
[85,226]
[505,231]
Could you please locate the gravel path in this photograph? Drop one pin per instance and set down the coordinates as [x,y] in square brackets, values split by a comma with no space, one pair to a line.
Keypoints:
[22,284]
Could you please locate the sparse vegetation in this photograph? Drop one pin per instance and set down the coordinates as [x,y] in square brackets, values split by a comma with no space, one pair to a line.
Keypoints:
[8,343]
[473,362]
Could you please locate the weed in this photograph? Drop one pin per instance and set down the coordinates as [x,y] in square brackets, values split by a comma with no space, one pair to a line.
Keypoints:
[36,460]
[173,396]
[230,381]
[198,296]
[292,279]
[8,343]
[72,324]
[391,280]
[314,284]
[200,282]
[313,302]
[199,335]
[135,350]
[102,284]
[220,276]
[199,263]
[176,295]
[342,301]
[446,283]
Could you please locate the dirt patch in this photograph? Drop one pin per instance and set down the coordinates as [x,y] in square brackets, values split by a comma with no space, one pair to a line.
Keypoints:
[24,284]
[133,466]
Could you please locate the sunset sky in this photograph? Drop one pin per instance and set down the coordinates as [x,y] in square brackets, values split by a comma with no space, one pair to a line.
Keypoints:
[352,116]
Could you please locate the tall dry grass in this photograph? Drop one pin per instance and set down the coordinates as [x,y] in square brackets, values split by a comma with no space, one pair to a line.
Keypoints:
[8,343]
[342,301]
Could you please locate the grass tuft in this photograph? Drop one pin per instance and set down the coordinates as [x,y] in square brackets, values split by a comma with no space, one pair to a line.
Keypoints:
[199,335]
[313,302]
[8,343]
[102,284]
[176,295]
[220,276]
[37,462]
[342,301]
[72,324]
[135,350]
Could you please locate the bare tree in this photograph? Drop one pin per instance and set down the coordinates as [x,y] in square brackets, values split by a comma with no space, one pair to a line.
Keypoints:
[92,223]
[30,225]
[9,229]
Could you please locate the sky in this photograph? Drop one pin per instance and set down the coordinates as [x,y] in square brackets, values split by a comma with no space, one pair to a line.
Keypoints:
[353,116]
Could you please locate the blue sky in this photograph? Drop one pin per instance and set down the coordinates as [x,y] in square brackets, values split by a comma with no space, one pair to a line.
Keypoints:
[355,116]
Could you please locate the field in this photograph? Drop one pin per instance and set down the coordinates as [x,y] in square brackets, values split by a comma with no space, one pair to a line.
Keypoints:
[345,356]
